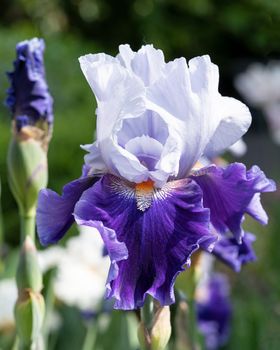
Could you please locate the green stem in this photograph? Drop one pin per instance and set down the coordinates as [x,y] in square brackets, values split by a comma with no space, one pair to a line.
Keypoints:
[192,324]
[27,226]
[90,337]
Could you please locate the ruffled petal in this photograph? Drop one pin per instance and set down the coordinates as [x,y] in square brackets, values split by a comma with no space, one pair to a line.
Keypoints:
[228,193]
[160,228]
[147,63]
[233,254]
[54,212]
[119,93]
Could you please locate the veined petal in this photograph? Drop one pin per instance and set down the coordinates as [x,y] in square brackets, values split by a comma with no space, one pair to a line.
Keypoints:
[160,236]
[54,212]
[228,193]
[233,254]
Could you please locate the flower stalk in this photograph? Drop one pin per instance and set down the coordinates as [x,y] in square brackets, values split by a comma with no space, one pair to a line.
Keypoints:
[30,104]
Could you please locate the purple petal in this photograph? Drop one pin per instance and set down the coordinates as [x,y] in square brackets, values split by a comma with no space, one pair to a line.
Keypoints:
[230,192]
[160,237]
[54,212]
[28,94]
[233,254]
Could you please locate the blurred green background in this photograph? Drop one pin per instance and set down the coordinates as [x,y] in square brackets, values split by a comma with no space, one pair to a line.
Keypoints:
[234,33]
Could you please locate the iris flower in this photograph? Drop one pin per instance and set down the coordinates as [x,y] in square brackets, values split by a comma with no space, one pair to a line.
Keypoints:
[141,187]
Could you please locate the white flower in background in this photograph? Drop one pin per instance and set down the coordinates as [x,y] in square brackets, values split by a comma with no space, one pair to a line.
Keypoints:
[8,297]
[260,86]
[81,269]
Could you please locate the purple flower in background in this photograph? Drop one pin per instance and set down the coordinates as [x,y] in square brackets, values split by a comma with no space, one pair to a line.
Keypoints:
[233,254]
[214,311]
[28,96]
[141,190]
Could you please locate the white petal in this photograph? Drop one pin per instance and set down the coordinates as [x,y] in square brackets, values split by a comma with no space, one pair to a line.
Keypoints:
[126,55]
[146,149]
[123,163]
[149,123]
[94,158]
[239,148]
[120,95]
[185,98]
[99,80]
[148,64]
[235,121]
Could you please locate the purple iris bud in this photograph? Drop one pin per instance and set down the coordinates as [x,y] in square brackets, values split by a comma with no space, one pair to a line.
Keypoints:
[214,311]
[28,97]
[141,188]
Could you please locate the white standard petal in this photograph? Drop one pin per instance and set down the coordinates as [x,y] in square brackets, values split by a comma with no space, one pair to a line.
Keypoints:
[185,98]
[146,149]
[94,158]
[235,121]
[239,148]
[147,63]
[120,95]
[123,163]
[126,55]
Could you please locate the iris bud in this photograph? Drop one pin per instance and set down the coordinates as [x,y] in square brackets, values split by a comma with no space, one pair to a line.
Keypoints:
[29,315]
[158,334]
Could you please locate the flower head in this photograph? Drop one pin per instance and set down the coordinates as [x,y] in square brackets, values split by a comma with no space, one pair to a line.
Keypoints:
[156,119]
[142,189]
[28,97]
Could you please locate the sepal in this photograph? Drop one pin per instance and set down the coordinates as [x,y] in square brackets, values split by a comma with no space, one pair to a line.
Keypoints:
[28,172]
[29,315]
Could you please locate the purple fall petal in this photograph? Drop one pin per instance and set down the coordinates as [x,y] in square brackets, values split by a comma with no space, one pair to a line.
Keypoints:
[229,193]
[54,212]
[159,239]
[233,254]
